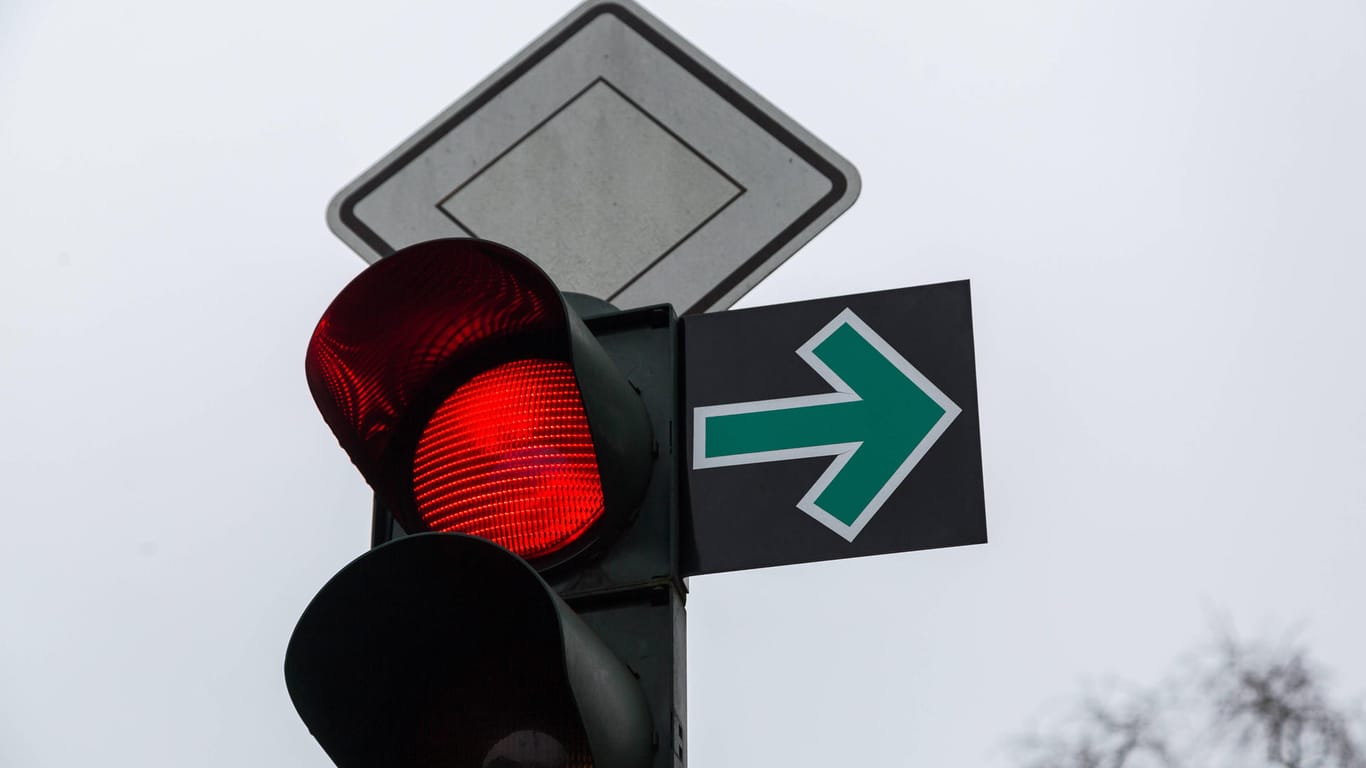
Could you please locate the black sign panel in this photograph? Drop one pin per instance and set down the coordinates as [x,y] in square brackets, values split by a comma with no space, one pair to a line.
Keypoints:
[832,428]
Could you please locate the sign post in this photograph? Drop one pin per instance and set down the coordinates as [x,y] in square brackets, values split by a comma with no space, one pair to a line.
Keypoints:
[483,404]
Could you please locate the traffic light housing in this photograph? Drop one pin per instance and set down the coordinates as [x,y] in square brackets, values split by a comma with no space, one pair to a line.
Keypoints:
[390,666]
[478,402]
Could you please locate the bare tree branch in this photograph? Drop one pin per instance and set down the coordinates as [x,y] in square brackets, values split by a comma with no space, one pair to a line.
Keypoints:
[1238,704]
[1273,698]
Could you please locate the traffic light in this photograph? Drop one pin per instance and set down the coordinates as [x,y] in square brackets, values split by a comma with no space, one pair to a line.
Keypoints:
[523,604]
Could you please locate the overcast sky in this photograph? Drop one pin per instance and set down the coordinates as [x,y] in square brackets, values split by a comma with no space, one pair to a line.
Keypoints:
[1161,207]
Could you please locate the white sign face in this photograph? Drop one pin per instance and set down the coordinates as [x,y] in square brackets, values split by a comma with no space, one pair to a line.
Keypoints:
[624,162]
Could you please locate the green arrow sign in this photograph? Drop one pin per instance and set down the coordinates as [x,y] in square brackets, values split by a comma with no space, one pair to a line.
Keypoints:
[883,416]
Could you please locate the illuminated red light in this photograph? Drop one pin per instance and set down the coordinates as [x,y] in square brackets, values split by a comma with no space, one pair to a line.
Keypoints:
[508,457]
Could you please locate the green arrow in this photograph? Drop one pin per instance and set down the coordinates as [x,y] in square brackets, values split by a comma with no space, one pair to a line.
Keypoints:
[883,416]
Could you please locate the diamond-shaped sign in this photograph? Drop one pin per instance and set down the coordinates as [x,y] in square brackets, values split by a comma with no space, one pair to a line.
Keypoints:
[618,157]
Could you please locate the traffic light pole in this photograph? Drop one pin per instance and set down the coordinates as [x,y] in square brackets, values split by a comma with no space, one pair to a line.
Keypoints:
[644,620]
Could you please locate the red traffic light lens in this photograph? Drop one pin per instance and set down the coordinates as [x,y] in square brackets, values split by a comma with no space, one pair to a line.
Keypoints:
[462,386]
[508,457]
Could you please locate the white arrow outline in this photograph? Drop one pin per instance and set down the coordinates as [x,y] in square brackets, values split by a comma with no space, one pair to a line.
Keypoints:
[842,452]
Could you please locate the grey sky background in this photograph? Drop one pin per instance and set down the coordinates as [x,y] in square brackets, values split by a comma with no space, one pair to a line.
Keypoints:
[1161,205]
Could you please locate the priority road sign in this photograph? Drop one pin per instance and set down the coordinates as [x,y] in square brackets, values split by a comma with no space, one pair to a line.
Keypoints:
[620,158]
[832,428]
